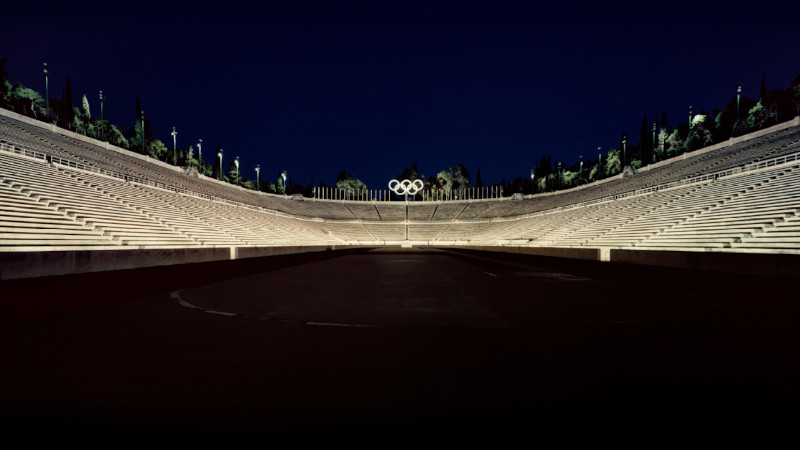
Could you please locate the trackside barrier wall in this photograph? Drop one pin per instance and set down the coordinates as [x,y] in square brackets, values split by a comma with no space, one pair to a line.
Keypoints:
[39,264]
[774,263]
[770,264]
[593,254]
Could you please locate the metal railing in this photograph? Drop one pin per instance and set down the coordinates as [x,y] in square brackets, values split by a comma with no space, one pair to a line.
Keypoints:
[426,195]
[9,147]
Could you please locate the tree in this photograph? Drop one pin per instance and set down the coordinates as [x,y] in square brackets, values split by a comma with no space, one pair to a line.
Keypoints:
[600,172]
[136,136]
[156,149]
[352,187]
[115,137]
[795,94]
[80,125]
[663,134]
[26,101]
[409,173]
[87,113]
[544,167]
[478,179]
[234,175]
[645,142]
[673,143]
[461,177]
[280,187]
[445,181]
[725,121]
[701,135]
[4,84]
[613,164]
[65,114]
[664,121]
[757,117]
[778,103]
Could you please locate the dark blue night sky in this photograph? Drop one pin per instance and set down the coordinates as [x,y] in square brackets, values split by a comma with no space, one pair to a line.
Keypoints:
[370,87]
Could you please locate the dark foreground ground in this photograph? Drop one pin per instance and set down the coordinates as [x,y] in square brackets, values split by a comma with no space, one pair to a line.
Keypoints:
[399,343]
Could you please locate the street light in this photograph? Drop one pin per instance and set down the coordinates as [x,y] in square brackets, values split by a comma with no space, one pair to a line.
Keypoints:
[236,163]
[559,175]
[47,90]
[738,96]
[219,154]
[102,117]
[580,170]
[258,177]
[174,151]
[654,141]
[143,149]
[533,177]
[283,175]
[599,163]
[200,154]
[624,149]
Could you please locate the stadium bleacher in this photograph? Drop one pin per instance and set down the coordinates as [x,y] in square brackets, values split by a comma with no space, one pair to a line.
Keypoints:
[60,191]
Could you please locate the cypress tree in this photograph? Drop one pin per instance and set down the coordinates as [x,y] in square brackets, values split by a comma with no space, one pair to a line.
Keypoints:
[85,109]
[3,79]
[65,115]
[478,179]
[644,142]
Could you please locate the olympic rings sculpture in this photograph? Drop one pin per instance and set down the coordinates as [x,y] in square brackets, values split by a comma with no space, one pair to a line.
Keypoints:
[406,187]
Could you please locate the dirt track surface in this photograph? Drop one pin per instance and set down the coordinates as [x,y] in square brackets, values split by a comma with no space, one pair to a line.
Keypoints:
[397,341]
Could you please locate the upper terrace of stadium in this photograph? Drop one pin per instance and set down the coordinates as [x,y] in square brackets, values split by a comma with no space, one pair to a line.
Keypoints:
[21,134]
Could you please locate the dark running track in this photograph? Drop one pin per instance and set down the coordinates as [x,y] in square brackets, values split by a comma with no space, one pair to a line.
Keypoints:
[397,341]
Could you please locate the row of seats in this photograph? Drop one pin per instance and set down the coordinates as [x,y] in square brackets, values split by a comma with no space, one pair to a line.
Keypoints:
[52,206]
[36,138]
[755,210]
[42,205]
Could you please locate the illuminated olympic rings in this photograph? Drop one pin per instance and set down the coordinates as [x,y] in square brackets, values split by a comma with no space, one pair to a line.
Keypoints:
[406,187]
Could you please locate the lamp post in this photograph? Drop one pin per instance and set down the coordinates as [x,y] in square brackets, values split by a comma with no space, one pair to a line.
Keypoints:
[533,179]
[102,116]
[143,149]
[236,164]
[655,126]
[219,154]
[624,149]
[580,170]
[174,150]
[283,176]
[599,163]
[200,154]
[47,90]
[738,96]
[258,177]
[559,175]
